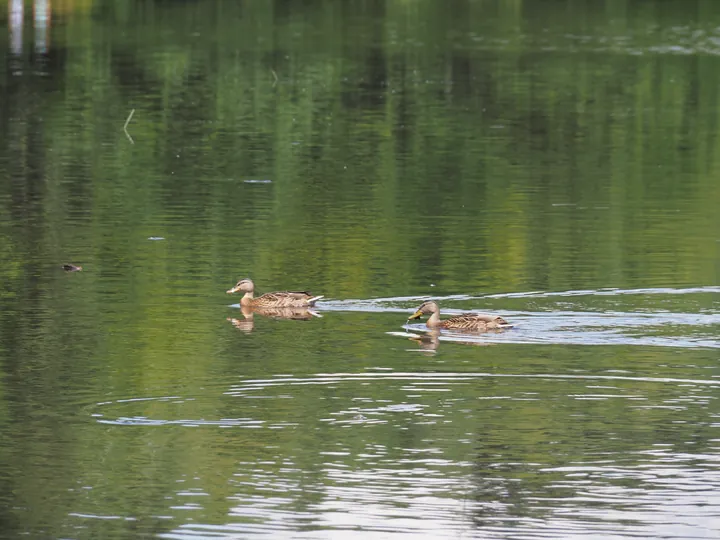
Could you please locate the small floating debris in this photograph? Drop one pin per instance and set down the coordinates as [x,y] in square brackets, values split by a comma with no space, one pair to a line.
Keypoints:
[260,181]
[126,125]
[71,268]
[156,238]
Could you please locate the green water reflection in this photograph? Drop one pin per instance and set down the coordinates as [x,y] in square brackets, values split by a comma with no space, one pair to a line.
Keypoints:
[361,150]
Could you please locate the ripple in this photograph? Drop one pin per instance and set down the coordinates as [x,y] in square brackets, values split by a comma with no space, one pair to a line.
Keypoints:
[657,328]
[366,411]
[251,385]
[426,500]
[143,421]
[380,303]
[391,463]
[607,292]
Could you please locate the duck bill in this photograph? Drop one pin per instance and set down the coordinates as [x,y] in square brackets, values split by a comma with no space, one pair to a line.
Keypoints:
[415,315]
[233,290]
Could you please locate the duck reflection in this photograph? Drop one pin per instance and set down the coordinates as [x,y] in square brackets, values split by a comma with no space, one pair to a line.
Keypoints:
[247,324]
[430,341]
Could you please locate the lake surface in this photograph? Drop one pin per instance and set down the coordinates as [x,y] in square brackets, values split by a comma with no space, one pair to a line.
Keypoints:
[552,162]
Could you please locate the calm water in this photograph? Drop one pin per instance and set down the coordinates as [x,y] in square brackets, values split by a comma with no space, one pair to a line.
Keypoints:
[556,163]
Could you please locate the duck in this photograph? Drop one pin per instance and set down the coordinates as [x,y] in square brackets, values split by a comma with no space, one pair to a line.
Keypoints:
[72,267]
[467,321]
[279,299]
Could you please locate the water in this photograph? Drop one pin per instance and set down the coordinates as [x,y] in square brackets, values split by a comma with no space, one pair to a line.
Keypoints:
[553,164]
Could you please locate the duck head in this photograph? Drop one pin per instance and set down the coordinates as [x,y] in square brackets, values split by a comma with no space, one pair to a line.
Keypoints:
[426,308]
[244,285]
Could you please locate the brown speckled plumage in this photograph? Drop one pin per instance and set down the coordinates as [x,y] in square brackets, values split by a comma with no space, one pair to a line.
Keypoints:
[466,321]
[279,299]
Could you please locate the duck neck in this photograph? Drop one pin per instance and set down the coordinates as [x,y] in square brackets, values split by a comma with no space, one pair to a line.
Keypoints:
[247,299]
[434,320]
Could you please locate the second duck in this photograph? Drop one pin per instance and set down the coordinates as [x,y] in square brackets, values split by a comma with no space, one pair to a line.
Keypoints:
[467,321]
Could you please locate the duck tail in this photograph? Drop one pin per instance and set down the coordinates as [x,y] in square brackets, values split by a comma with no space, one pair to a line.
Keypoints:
[311,301]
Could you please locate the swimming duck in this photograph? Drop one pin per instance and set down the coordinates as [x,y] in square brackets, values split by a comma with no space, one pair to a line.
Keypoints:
[466,321]
[278,299]
[71,268]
